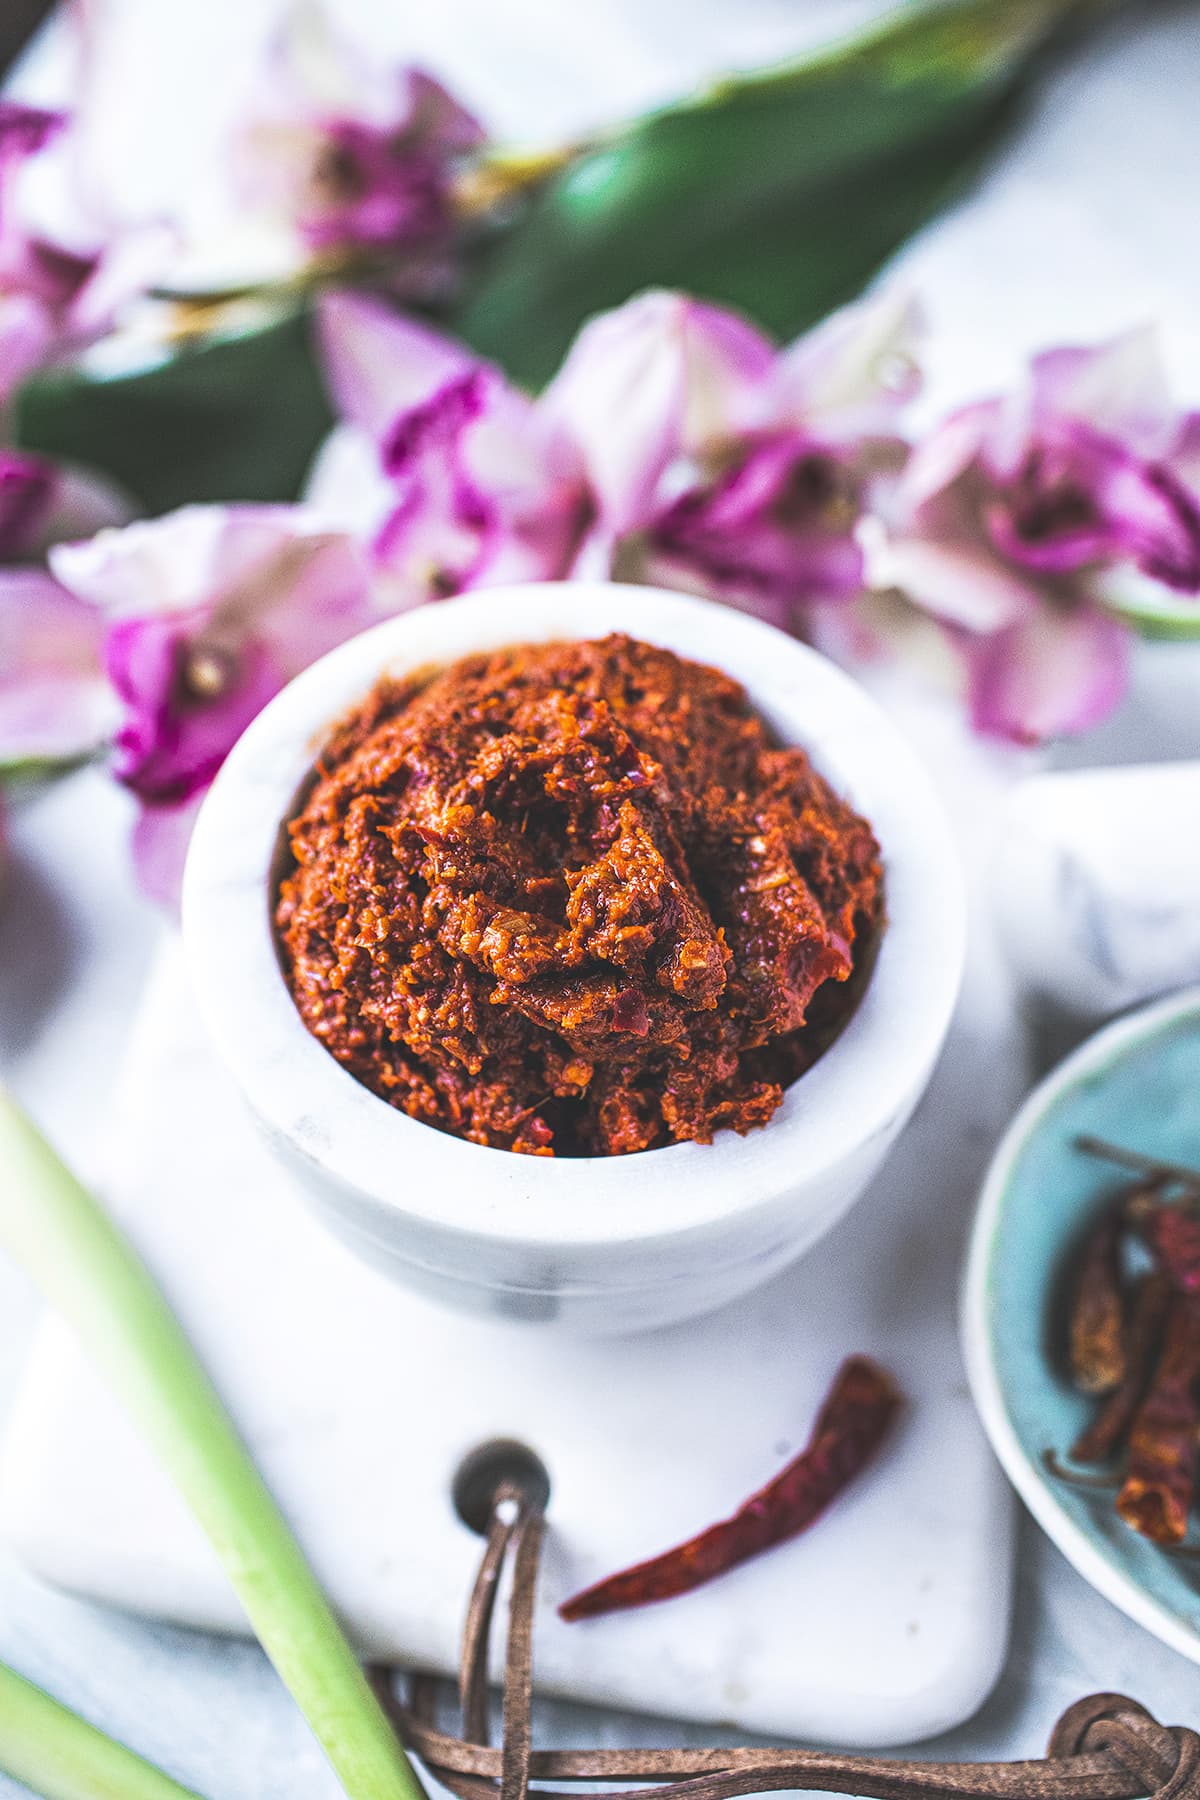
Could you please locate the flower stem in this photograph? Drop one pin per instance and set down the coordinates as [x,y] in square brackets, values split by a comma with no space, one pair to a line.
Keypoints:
[60,1756]
[86,1269]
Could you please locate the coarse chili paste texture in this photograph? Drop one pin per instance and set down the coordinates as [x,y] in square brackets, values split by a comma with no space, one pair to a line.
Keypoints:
[571,898]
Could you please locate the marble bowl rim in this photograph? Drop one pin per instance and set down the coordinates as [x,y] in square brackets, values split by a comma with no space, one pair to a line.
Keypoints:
[1035,1487]
[859,1091]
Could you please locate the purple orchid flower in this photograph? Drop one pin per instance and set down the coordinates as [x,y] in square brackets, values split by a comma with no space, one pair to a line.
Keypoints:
[25,329]
[676,444]
[1018,521]
[57,296]
[354,156]
[205,614]
[724,465]
[456,478]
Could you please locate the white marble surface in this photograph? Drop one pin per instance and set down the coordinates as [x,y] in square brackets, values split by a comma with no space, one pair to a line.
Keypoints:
[1084,226]
[209,1708]
[888,1622]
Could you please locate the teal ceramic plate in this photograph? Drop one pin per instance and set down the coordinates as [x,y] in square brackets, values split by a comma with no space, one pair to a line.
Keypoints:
[1137,1082]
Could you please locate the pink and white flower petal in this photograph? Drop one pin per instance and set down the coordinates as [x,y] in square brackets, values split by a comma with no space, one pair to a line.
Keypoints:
[378,363]
[776,529]
[659,378]
[160,840]
[519,456]
[437,537]
[313,70]
[370,199]
[27,337]
[354,151]
[67,267]
[127,263]
[852,375]
[178,562]
[1056,672]
[484,491]
[1119,388]
[939,460]
[884,628]
[961,583]
[347,486]
[55,703]
[25,131]
[1081,498]
[186,702]
[1183,458]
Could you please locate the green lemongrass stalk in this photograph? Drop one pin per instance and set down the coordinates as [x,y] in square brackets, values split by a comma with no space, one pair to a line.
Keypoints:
[87,1270]
[57,1754]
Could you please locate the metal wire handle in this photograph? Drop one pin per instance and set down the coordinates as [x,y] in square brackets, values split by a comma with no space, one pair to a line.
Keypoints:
[1105,1747]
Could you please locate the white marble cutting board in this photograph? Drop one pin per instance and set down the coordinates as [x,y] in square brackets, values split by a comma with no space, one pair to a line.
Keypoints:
[886,1623]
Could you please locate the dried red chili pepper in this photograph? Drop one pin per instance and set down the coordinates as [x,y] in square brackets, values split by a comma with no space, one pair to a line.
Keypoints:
[850,1427]
[1157,1494]
[1107,1431]
[1173,1236]
[1096,1335]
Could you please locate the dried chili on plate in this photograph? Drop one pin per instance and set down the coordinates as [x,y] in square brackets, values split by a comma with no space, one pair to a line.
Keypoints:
[1107,1431]
[1147,1327]
[850,1427]
[1157,1494]
[1097,1325]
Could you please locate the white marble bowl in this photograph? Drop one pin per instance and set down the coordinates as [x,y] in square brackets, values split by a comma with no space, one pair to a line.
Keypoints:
[603,1244]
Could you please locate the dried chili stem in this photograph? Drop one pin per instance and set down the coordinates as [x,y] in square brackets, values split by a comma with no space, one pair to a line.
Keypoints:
[85,1267]
[851,1425]
[1150,1166]
[1061,1471]
[1157,1494]
[1108,1430]
[1096,1332]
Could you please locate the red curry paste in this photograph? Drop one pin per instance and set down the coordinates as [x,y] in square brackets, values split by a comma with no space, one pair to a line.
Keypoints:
[571,898]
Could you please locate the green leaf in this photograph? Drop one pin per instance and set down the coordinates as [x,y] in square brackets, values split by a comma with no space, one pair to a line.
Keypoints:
[233,418]
[779,193]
